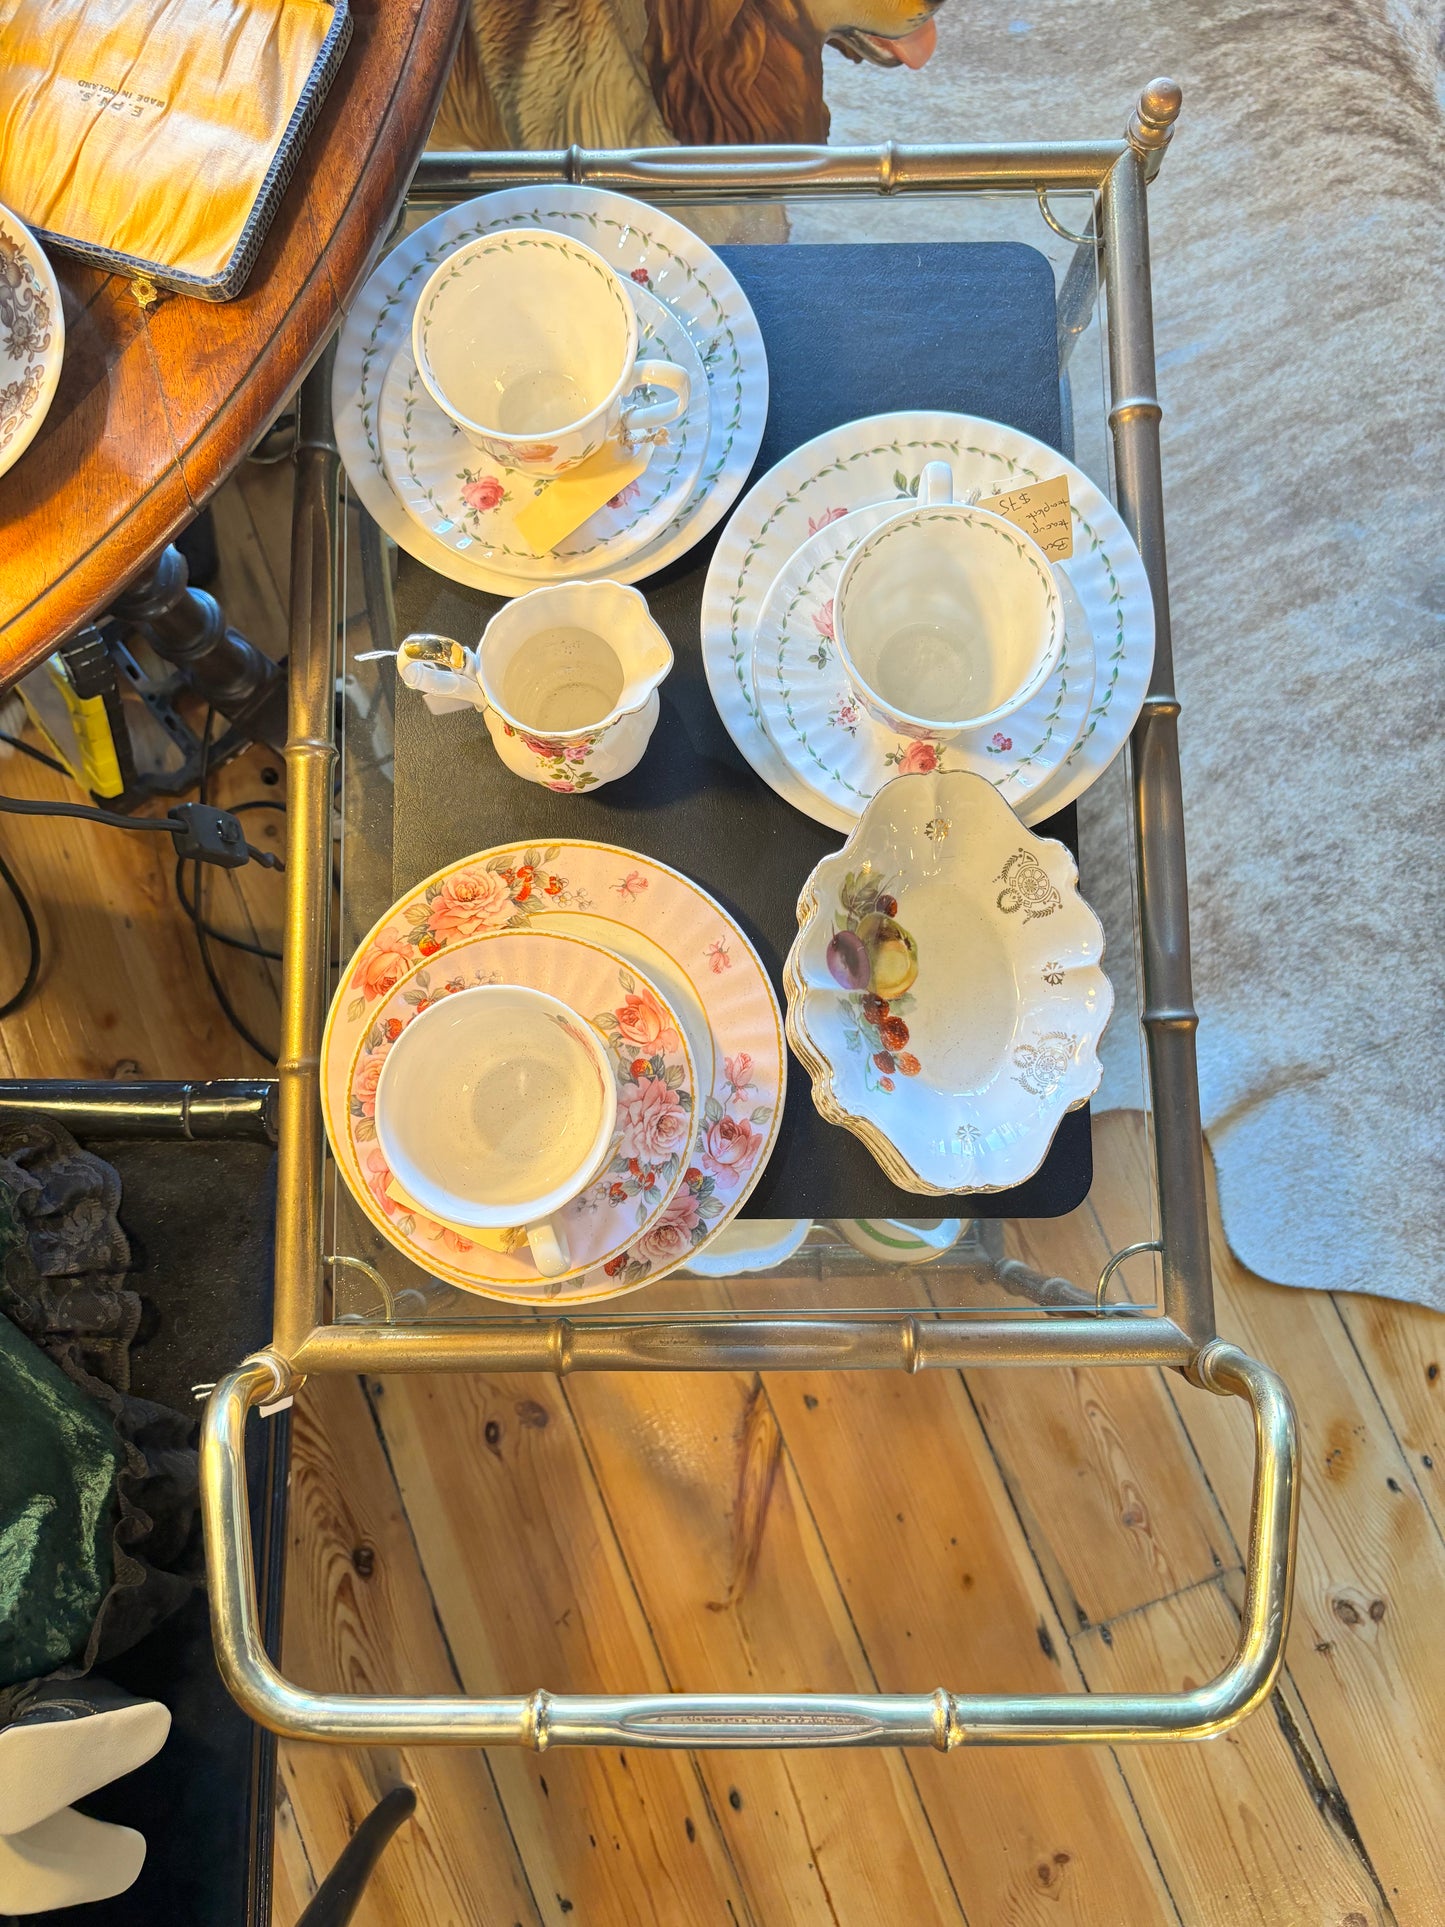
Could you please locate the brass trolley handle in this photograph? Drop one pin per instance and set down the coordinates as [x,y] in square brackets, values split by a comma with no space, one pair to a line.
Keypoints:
[940,1719]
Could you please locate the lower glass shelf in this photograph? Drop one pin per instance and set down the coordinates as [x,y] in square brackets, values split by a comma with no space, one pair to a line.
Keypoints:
[770,1268]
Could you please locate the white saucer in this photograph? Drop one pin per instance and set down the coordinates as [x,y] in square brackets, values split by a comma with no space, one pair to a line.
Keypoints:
[651,249]
[751,1244]
[470,502]
[877,460]
[830,742]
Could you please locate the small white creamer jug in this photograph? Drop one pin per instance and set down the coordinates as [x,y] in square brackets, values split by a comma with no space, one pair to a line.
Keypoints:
[566,679]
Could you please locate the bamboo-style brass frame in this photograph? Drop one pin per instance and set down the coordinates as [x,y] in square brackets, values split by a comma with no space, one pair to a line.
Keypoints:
[1181,1336]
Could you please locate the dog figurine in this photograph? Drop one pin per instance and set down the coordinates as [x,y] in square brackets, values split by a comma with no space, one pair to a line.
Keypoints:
[654,73]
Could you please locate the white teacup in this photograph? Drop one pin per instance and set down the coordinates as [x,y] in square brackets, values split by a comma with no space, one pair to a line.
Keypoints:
[495,1107]
[528,342]
[947,618]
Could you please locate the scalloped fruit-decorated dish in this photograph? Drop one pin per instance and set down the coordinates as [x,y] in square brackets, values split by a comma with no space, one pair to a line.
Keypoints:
[945,989]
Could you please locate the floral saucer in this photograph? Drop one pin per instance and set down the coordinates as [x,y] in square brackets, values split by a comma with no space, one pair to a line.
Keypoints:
[667,930]
[32,337]
[834,746]
[470,502]
[651,249]
[945,989]
[656,1093]
[879,459]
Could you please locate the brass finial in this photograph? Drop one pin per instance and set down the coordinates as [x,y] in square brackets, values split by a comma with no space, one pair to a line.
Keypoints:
[1151,125]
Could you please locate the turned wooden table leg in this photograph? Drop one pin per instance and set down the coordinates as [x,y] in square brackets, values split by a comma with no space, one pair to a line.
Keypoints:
[189,628]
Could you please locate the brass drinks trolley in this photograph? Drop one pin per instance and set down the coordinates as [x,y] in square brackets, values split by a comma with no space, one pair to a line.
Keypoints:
[340,1305]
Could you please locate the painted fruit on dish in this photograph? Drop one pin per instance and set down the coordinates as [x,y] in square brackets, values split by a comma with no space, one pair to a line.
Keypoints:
[874,958]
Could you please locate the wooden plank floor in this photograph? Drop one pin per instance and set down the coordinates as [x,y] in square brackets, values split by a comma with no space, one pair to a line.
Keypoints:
[1001,1531]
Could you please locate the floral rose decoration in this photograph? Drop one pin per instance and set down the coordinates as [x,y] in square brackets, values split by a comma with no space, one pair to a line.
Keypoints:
[469,903]
[822,521]
[364,1089]
[738,1073]
[382,968]
[482,493]
[378,1177]
[728,1144]
[917,758]
[652,1120]
[642,1020]
[672,1237]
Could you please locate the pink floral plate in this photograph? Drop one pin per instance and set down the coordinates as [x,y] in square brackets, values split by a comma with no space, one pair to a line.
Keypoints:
[656,1101]
[668,931]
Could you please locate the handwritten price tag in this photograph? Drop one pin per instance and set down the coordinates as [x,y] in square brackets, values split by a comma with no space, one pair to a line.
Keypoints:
[1040,510]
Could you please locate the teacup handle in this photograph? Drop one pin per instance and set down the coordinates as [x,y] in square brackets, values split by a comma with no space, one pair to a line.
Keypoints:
[935,487]
[640,418]
[548,1245]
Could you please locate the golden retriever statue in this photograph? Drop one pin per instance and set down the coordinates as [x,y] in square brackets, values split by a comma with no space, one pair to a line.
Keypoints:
[651,73]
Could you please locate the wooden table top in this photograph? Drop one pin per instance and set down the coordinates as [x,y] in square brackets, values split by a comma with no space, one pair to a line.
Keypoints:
[154,410]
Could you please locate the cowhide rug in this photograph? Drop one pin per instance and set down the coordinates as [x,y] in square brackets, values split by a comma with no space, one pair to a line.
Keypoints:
[1298,294]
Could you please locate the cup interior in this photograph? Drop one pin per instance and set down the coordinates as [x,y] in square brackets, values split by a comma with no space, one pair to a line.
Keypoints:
[556,679]
[948,616]
[495,1106]
[525,334]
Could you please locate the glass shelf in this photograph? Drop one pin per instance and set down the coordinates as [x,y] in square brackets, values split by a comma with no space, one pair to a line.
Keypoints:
[994,1267]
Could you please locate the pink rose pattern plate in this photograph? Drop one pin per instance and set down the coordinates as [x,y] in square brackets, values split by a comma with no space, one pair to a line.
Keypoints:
[656,1102]
[669,931]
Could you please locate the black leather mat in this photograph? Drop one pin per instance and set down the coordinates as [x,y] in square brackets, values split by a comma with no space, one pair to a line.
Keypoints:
[850,331]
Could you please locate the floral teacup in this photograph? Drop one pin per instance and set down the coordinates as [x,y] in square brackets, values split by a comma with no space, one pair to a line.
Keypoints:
[528,342]
[496,1107]
[947,618]
[566,678]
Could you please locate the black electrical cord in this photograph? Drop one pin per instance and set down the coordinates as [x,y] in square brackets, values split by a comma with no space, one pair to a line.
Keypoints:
[32,935]
[25,806]
[166,825]
[228,1009]
[171,826]
[35,755]
[224,936]
[215,935]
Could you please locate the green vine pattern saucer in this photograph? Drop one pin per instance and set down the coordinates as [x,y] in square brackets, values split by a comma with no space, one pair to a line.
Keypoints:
[879,459]
[827,737]
[470,502]
[645,246]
